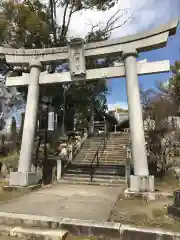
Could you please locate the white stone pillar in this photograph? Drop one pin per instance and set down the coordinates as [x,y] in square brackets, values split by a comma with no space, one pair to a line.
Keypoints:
[140,181]
[135,115]
[24,176]
[59,169]
[30,118]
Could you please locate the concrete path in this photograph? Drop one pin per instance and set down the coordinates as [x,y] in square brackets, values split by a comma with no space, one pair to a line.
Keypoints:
[67,201]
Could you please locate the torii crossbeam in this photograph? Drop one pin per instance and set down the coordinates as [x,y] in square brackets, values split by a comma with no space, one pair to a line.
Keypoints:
[92,74]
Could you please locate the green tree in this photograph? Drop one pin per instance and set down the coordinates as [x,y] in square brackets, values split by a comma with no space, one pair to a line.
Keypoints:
[25,24]
[32,24]
[170,90]
[160,104]
[174,84]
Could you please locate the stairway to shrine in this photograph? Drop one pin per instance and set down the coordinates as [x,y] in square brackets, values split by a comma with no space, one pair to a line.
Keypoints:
[111,168]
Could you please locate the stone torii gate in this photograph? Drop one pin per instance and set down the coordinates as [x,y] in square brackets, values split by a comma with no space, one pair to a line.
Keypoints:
[77,52]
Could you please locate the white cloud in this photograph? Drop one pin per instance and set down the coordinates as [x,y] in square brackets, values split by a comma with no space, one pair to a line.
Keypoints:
[147,14]
[113,106]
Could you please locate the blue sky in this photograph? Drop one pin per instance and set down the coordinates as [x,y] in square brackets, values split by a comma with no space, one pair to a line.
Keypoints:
[147,14]
[117,87]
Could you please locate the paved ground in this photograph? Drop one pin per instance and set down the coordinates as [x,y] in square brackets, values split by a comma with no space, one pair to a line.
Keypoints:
[68,201]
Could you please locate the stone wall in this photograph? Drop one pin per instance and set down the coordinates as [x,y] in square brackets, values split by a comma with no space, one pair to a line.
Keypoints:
[85,228]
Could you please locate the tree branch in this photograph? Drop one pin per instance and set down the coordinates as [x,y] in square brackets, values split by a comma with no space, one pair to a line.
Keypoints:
[64,18]
[111,21]
[109,27]
[112,27]
[69,19]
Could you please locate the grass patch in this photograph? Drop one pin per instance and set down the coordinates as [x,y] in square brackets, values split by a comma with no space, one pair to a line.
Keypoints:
[139,212]
[7,195]
[144,214]
[168,183]
[8,238]
[11,159]
[80,238]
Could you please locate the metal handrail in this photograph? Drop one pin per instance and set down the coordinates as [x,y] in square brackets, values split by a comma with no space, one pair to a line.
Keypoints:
[128,162]
[97,155]
[74,153]
[65,167]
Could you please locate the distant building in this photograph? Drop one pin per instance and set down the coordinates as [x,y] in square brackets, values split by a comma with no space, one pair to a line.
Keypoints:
[120,114]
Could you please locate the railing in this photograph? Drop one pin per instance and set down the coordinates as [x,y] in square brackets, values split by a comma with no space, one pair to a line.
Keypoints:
[76,147]
[97,156]
[128,163]
[100,125]
[126,130]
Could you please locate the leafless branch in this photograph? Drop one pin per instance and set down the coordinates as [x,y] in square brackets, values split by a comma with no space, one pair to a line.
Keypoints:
[112,17]
[112,27]
[69,18]
[110,24]
[93,27]
[64,18]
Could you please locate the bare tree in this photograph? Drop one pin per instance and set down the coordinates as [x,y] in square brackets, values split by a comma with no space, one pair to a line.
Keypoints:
[161,139]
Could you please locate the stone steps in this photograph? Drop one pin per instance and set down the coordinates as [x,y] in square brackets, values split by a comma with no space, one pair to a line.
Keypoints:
[106,151]
[87,164]
[93,183]
[114,154]
[114,160]
[111,168]
[99,177]
[112,157]
[121,143]
[102,162]
[105,170]
[115,151]
[85,180]
[104,156]
[109,175]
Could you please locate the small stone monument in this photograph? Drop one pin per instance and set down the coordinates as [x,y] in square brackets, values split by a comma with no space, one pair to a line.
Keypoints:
[4,170]
[174,209]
